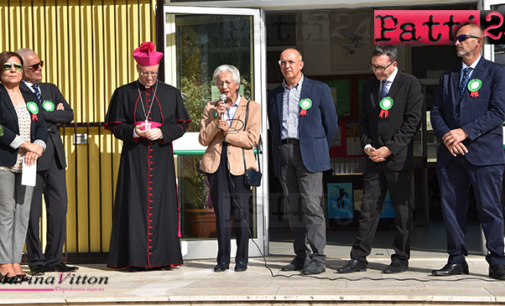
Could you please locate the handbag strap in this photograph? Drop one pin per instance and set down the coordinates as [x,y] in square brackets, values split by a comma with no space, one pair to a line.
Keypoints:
[259,141]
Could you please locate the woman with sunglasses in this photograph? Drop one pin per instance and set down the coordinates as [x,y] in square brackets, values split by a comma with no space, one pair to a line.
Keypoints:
[23,138]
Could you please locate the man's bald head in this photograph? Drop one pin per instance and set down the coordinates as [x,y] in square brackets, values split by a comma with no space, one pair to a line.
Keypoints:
[469,42]
[291,50]
[291,65]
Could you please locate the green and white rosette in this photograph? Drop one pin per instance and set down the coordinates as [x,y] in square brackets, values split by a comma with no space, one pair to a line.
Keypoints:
[385,105]
[473,86]
[34,109]
[305,104]
[1,131]
[48,105]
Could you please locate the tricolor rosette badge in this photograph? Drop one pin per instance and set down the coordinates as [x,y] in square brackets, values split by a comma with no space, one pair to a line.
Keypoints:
[473,86]
[34,109]
[305,104]
[1,131]
[48,105]
[385,105]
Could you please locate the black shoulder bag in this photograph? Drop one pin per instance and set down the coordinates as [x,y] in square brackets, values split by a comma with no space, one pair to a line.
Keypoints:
[252,177]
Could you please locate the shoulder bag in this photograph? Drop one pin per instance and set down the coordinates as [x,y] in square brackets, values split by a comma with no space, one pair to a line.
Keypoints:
[252,177]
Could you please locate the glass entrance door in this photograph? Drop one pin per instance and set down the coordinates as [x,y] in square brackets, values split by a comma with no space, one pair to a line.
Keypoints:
[197,41]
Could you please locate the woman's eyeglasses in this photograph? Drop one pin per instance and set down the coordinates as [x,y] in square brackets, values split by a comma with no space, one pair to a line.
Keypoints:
[8,66]
[36,66]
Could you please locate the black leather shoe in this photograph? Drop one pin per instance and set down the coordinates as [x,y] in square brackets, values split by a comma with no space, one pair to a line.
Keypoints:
[38,270]
[240,267]
[352,266]
[315,267]
[452,269]
[296,264]
[61,267]
[497,271]
[396,266]
[221,267]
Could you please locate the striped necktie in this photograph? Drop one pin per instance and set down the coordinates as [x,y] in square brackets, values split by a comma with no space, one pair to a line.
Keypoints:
[464,82]
[37,92]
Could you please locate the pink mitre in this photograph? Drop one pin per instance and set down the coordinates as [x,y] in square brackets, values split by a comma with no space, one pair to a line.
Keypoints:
[145,55]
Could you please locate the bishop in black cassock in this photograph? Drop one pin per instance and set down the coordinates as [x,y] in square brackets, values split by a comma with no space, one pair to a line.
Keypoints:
[147,115]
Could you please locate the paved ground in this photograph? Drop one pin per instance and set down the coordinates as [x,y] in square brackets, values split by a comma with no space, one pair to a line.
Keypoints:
[195,283]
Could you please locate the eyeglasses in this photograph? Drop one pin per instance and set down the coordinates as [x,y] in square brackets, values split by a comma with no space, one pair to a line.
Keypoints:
[228,83]
[464,37]
[381,69]
[8,66]
[153,74]
[36,66]
[284,63]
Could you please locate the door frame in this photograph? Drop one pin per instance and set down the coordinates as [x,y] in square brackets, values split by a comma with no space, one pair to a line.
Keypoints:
[195,248]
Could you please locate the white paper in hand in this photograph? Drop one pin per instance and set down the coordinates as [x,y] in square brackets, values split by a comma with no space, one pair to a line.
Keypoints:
[29,175]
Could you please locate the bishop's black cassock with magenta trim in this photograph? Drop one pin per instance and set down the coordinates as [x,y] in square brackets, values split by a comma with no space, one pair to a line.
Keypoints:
[145,228]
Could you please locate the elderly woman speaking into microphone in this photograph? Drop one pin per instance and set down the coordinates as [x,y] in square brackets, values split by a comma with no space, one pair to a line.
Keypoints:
[230,135]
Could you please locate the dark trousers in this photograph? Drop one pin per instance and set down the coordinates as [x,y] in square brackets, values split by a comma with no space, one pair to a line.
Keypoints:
[304,191]
[455,180]
[53,185]
[230,196]
[377,181]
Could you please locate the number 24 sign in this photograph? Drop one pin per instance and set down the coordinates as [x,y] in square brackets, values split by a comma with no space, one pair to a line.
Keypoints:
[434,27]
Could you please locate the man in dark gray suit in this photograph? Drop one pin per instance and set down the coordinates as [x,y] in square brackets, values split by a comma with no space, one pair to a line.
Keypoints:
[50,173]
[391,112]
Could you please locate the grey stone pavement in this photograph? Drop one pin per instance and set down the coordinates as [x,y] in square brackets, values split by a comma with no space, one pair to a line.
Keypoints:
[194,283]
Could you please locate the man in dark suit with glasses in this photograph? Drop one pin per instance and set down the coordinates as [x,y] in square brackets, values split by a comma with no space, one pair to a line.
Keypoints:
[50,173]
[391,112]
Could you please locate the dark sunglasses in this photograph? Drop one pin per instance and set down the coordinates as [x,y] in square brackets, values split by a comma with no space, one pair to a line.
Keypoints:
[464,37]
[36,66]
[8,66]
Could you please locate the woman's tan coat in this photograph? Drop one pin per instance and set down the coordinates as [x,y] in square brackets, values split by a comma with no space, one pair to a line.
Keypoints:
[212,137]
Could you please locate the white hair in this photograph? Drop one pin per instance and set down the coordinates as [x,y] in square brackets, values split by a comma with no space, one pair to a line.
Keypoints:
[227,68]
[24,52]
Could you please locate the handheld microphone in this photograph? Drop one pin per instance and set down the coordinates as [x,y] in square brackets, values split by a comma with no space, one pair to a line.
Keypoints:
[222,98]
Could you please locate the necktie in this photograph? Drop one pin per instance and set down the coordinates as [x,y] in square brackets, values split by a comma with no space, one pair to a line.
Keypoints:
[384,90]
[37,92]
[464,82]
[462,88]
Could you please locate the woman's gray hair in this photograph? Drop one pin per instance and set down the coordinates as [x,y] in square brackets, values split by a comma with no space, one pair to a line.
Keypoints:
[227,68]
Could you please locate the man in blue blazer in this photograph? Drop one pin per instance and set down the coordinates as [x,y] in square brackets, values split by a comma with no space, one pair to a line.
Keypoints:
[467,116]
[303,123]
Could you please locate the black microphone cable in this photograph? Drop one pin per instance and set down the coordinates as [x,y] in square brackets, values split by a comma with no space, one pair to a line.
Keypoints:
[341,277]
